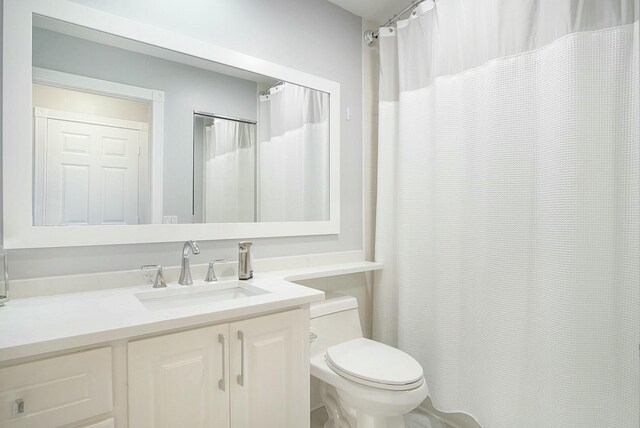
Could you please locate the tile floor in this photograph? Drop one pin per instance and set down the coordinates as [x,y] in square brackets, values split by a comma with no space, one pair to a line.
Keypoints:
[415,419]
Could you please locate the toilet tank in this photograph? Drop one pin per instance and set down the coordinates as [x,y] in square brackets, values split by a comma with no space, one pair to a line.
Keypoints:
[334,320]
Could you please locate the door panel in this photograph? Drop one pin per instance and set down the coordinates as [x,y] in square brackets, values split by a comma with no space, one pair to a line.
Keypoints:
[270,376]
[74,198]
[91,174]
[114,195]
[174,380]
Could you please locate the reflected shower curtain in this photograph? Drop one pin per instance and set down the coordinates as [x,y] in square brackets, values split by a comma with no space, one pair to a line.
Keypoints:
[293,153]
[508,208]
[229,172]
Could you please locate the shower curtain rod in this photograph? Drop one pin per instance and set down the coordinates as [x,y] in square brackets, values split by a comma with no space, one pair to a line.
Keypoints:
[370,36]
[219,116]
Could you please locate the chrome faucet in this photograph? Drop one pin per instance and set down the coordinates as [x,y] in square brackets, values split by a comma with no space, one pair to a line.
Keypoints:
[245,264]
[185,271]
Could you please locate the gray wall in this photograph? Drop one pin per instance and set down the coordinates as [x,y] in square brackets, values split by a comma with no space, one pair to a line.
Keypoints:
[314,36]
[186,89]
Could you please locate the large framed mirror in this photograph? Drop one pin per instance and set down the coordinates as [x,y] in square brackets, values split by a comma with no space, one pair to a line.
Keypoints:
[118,132]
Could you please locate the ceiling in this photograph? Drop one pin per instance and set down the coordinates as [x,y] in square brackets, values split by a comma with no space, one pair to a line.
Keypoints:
[377,11]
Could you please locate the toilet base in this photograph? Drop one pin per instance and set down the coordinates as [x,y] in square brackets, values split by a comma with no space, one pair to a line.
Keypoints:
[346,411]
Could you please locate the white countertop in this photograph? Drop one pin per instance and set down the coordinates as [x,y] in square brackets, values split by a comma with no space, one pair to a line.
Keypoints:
[40,325]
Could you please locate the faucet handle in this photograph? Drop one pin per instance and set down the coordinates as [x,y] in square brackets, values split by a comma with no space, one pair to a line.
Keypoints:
[160,282]
[211,273]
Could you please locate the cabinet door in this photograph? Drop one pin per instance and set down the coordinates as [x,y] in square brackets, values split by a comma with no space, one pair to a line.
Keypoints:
[270,371]
[180,380]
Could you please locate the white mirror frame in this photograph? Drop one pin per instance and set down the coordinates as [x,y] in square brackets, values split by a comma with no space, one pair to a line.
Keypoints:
[17,134]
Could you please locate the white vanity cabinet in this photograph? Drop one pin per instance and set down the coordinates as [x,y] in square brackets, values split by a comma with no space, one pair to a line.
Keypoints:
[57,391]
[250,373]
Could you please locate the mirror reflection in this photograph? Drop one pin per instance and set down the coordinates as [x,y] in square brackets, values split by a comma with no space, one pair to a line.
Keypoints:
[293,154]
[128,133]
[224,169]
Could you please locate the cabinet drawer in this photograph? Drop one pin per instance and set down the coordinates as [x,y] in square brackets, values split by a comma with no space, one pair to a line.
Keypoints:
[107,423]
[56,391]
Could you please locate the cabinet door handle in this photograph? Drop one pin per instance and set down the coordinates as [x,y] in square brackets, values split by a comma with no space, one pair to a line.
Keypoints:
[222,382]
[241,375]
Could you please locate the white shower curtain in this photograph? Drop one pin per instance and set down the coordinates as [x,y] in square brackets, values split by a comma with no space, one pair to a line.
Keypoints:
[229,172]
[508,208]
[293,153]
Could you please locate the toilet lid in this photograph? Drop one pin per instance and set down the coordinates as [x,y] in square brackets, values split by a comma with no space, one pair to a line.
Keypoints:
[375,364]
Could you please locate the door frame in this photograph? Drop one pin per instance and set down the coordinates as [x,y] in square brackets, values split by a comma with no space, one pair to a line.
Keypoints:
[152,175]
[41,117]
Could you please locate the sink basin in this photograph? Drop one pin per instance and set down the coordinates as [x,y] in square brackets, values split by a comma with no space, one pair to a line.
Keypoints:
[184,296]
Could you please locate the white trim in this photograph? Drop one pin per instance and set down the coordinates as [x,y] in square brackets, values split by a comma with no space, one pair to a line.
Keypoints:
[145,212]
[39,164]
[18,230]
[153,97]
[70,116]
[156,156]
[60,79]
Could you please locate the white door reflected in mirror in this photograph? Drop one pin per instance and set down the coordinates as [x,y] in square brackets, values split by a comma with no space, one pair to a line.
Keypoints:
[94,150]
[88,170]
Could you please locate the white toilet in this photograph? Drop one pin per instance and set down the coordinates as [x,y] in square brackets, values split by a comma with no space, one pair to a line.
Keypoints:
[363,384]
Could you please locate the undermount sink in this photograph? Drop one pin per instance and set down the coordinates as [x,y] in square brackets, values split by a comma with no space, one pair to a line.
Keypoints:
[184,296]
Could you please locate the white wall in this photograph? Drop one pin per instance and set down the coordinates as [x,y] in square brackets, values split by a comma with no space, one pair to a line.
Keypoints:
[314,36]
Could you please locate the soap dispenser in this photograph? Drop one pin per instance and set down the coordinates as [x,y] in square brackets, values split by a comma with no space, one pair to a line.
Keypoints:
[245,264]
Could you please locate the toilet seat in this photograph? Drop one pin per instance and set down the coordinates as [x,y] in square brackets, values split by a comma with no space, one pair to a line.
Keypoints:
[375,364]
